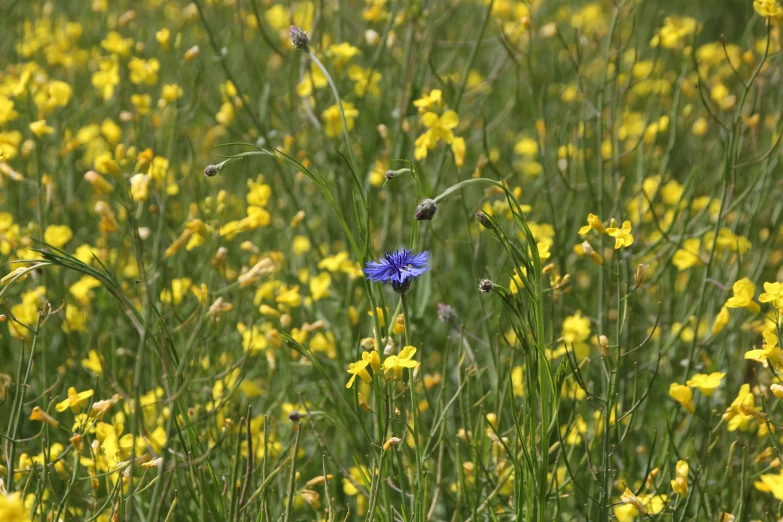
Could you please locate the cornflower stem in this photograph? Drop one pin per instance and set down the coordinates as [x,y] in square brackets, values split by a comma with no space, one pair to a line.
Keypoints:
[418,502]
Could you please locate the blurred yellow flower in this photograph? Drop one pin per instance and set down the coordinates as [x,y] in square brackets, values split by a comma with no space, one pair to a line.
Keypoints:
[58,235]
[744,290]
[429,101]
[680,482]
[768,9]
[40,128]
[683,395]
[706,383]
[333,121]
[440,128]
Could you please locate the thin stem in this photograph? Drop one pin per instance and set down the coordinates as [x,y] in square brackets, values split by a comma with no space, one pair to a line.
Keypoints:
[349,144]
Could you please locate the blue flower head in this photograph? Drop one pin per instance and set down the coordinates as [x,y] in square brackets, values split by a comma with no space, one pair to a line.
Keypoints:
[400,268]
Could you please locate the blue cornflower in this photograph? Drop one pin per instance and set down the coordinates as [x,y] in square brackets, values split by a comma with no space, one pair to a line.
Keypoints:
[400,268]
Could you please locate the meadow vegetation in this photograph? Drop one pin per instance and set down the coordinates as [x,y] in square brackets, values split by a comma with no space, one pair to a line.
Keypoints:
[391,260]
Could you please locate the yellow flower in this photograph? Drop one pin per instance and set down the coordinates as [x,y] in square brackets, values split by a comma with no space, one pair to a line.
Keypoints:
[768,9]
[773,293]
[593,223]
[7,112]
[290,297]
[40,128]
[142,103]
[721,320]
[367,80]
[706,383]
[622,236]
[116,44]
[739,413]
[744,290]
[458,148]
[395,363]
[319,286]
[342,53]
[680,483]
[93,363]
[12,507]
[674,31]
[683,395]
[576,332]
[57,235]
[179,288]
[253,340]
[301,245]
[170,92]
[75,319]
[527,147]
[440,128]
[360,367]
[106,78]
[333,121]
[75,401]
[429,101]
[59,93]
[139,187]
[770,354]
[687,256]
[770,483]
[162,37]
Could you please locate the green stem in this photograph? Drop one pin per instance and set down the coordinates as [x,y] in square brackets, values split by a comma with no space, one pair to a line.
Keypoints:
[418,500]
[292,475]
[348,143]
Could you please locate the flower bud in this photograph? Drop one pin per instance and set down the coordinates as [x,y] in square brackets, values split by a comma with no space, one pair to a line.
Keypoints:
[299,38]
[486,286]
[641,274]
[426,210]
[777,389]
[446,314]
[483,219]
[211,170]
[603,345]
[393,441]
